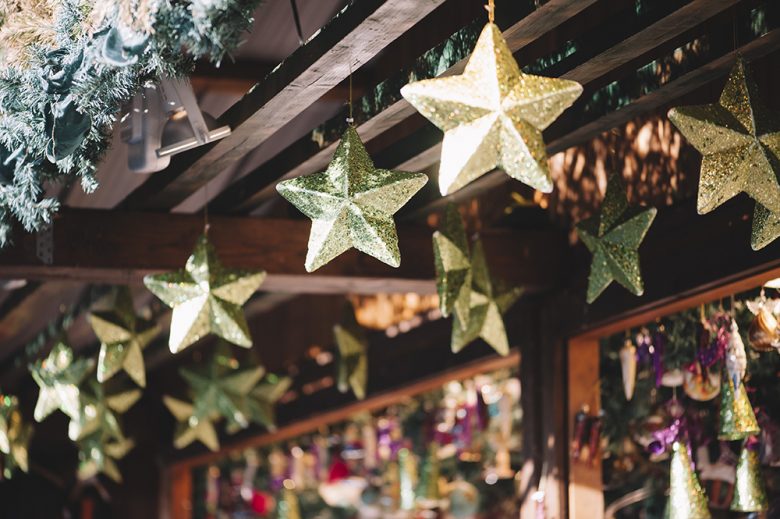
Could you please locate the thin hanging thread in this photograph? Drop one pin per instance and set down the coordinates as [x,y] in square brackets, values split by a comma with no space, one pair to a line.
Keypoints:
[491,9]
[350,118]
[206,223]
[297,20]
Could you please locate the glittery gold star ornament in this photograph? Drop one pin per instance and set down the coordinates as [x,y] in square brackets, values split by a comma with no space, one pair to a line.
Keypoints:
[487,305]
[191,427]
[453,266]
[766,227]
[613,237]
[99,412]
[261,402]
[492,116]
[123,336]
[352,204]
[59,376]
[206,298]
[98,455]
[740,143]
[15,436]
[352,357]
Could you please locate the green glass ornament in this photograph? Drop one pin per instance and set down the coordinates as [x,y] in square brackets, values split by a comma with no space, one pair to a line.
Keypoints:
[687,499]
[737,420]
[749,490]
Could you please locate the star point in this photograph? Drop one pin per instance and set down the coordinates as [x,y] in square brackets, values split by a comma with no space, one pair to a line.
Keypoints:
[352,355]
[492,116]
[452,265]
[58,377]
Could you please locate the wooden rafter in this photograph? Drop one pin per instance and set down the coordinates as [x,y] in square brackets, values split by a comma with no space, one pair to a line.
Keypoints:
[120,247]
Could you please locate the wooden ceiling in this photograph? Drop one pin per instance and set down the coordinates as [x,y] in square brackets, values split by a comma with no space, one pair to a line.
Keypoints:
[634,58]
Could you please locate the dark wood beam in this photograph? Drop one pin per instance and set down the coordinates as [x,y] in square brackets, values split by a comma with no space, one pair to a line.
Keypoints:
[121,247]
[351,39]
[384,108]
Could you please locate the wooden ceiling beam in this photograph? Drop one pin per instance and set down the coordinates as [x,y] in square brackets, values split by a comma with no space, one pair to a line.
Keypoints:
[355,36]
[121,247]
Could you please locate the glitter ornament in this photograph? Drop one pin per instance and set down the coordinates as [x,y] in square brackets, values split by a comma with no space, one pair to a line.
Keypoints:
[15,436]
[99,412]
[486,308]
[737,420]
[739,140]
[123,336]
[352,204]
[261,401]
[453,266]
[687,499]
[613,237]
[191,427]
[749,490]
[59,376]
[428,495]
[628,364]
[492,116]
[206,298]
[288,507]
[99,456]
[352,360]
[766,227]
[407,479]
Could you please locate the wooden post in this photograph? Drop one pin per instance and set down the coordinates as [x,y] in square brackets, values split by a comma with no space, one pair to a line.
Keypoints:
[181,492]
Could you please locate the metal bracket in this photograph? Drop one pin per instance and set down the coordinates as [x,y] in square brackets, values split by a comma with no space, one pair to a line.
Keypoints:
[44,244]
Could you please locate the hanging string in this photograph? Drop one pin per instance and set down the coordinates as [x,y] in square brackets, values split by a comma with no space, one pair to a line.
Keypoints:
[206,224]
[297,20]
[350,118]
[491,9]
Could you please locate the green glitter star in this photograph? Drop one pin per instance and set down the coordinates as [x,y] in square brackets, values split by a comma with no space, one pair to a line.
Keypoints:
[59,376]
[352,204]
[190,427]
[353,360]
[613,237]
[486,308]
[123,336]
[99,412]
[740,143]
[452,264]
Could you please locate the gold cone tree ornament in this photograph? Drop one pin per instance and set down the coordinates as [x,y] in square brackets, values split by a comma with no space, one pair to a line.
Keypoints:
[15,436]
[189,427]
[739,139]
[123,336]
[59,376]
[737,419]
[492,116]
[687,499]
[352,348]
[452,265]
[749,490]
[614,237]
[487,304]
[352,204]
[206,298]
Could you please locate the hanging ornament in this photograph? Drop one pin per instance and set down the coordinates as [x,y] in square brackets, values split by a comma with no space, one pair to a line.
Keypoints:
[288,506]
[206,298]
[59,376]
[464,499]
[98,455]
[352,204]
[14,436]
[763,331]
[220,388]
[736,358]
[628,363]
[453,266]
[737,137]
[749,490]
[486,308]
[352,360]
[191,427]
[123,336]
[686,496]
[261,402]
[613,237]
[492,115]
[428,495]
[701,384]
[98,412]
[407,479]
[737,420]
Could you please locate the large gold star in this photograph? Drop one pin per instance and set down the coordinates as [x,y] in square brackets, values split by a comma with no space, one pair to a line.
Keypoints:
[352,204]
[487,306]
[352,356]
[206,298]
[59,376]
[189,427]
[739,139]
[613,237]
[492,116]
[123,336]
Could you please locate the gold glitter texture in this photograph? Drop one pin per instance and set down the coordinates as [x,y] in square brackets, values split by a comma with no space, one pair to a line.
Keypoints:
[190,427]
[486,308]
[97,455]
[687,499]
[261,401]
[122,336]
[352,360]
[749,490]
[766,227]
[614,237]
[99,413]
[15,436]
[452,265]
[58,377]
[352,204]
[740,143]
[206,298]
[492,116]
[737,420]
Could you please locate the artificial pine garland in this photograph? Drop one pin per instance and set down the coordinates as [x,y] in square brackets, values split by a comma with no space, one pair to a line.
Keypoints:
[66,69]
